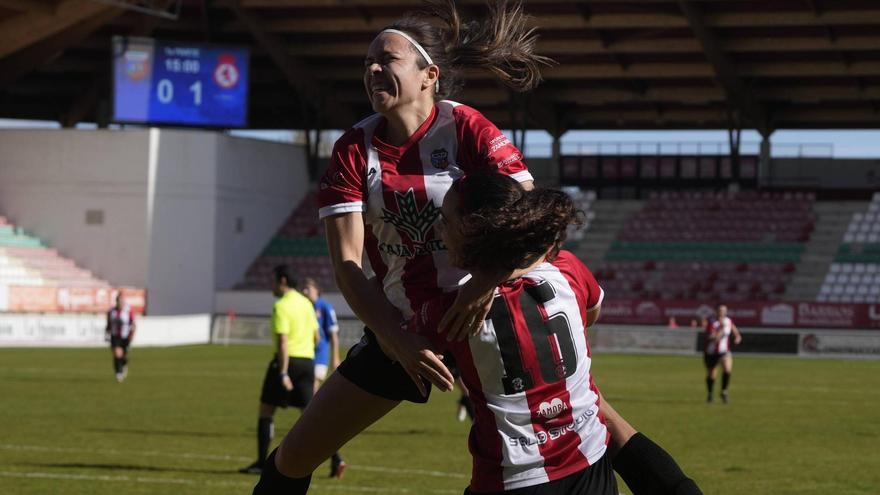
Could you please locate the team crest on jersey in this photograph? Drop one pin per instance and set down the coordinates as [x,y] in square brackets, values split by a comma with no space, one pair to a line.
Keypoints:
[518,384]
[414,223]
[440,158]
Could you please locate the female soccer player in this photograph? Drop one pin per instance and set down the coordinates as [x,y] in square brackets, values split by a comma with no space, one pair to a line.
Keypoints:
[120,332]
[718,332]
[539,427]
[381,196]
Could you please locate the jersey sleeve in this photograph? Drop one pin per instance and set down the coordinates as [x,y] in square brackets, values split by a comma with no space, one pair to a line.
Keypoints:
[485,148]
[280,324]
[341,190]
[593,292]
[330,320]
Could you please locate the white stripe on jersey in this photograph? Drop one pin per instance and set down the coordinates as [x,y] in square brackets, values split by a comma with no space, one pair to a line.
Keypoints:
[584,401]
[354,207]
[523,462]
[442,136]
[724,343]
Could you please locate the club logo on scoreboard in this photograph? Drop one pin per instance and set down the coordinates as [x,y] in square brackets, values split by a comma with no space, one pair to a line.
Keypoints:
[226,74]
[137,64]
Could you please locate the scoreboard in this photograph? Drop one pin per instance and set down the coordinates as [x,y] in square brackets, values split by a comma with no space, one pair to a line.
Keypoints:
[173,83]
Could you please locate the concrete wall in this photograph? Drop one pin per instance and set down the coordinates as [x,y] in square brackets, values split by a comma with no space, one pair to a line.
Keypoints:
[184,212]
[258,185]
[180,274]
[49,179]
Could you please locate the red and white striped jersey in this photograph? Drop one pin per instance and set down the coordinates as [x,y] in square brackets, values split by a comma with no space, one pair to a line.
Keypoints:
[528,374]
[120,322]
[400,189]
[722,346]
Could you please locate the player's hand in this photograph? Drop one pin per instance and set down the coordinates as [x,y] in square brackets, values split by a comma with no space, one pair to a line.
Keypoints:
[287,382]
[415,355]
[466,315]
[737,339]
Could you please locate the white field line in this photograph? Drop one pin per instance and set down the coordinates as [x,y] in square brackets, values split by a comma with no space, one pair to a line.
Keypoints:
[192,482]
[210,457]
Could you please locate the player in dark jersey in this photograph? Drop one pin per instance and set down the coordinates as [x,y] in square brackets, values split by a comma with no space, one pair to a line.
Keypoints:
[120,332]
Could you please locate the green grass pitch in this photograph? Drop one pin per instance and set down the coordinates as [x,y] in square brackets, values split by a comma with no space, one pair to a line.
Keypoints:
[184,422]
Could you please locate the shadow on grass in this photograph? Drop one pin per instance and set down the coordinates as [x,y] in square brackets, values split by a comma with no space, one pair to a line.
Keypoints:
[125,467]
[169,433]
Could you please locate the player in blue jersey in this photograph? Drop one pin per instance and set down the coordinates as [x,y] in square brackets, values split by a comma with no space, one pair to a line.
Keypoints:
[326,352]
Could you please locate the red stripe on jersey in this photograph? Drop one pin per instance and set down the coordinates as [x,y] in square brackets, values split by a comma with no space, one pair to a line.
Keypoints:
[562,450]
[599,414]
[405,173]
[484,441]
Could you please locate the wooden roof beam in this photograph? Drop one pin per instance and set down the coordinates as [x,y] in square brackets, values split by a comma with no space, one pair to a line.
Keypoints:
[297,73]
[23,30]
[41,53]
[46,8]
[553,47]
[739,96]
[628,21]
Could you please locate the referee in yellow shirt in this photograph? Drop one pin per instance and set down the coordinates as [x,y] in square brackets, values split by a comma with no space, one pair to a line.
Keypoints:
[290,377]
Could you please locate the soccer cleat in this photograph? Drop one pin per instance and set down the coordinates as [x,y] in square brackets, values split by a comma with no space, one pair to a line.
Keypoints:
[255,468]
[462,413]
[119,377]
[337,468]
[724,396]
[709,398]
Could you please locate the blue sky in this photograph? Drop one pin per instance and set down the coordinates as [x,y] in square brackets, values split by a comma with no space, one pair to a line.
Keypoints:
[820,143]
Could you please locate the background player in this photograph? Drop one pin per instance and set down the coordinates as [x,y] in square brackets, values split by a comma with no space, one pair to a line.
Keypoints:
[290,376]
[326,352]
[120,331]
[717,349]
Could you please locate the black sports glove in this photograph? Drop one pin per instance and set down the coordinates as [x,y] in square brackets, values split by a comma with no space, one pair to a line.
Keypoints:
[647,469]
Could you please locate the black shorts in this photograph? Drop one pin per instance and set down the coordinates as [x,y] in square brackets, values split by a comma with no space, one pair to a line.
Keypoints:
[372,371]
[711,360]
[597,479]
[119,342]
[301,372]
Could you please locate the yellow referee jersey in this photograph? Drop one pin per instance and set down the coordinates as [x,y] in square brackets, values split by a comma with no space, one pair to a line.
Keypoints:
[294,315]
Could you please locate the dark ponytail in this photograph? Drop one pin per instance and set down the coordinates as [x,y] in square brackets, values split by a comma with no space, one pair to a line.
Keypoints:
[502,44]
[505,227]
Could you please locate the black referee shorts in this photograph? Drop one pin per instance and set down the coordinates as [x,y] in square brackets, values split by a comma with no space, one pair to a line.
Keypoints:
[301,372]
[597,479]
[372,371]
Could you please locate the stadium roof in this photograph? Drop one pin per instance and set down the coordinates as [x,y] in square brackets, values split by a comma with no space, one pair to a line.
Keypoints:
[649,64]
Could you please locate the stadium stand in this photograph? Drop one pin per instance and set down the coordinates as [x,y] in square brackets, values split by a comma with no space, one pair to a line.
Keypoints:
[707,246]
[300,244]
[854,277]
[26,261]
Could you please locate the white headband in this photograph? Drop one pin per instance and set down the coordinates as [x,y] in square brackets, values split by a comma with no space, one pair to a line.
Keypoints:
[414,43]
[418,47]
